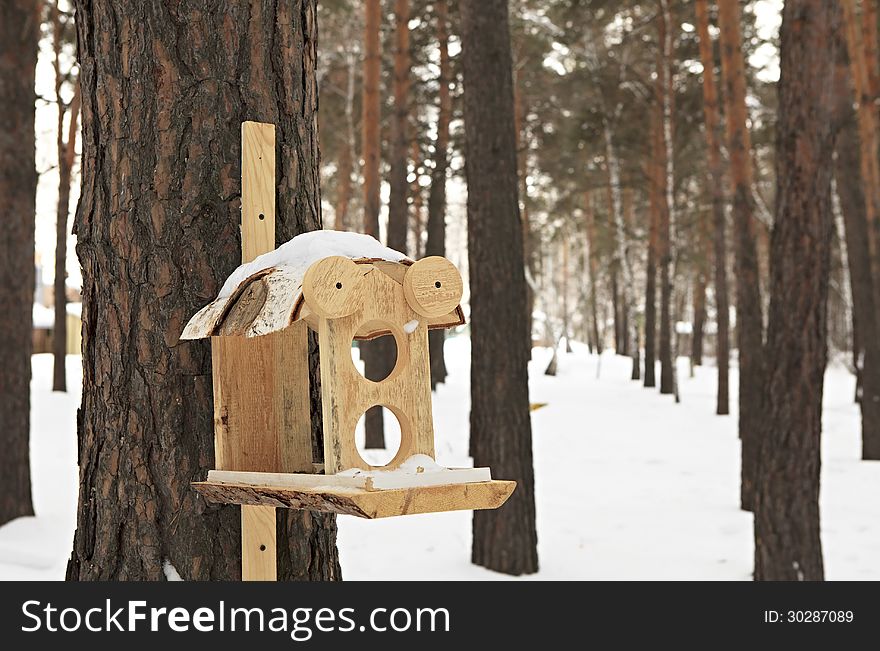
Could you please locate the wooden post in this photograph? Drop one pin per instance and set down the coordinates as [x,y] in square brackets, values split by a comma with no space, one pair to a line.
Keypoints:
[262,420]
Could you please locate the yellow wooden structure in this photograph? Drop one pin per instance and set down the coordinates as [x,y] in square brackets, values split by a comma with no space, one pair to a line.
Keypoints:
[263,433]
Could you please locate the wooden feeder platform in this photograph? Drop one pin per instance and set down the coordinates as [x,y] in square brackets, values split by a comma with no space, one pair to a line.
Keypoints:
[343,495]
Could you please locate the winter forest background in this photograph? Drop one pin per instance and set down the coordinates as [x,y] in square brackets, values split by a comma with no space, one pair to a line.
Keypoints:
[667,212]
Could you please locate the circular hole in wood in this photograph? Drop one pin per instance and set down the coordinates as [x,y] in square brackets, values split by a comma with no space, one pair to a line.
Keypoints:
[338,285]
[375,359]
[262,216]
[262,548]
[378,456]
[438,284]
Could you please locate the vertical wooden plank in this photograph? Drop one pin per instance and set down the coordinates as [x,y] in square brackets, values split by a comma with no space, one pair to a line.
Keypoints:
[261,386]
[258,549]
[257,189]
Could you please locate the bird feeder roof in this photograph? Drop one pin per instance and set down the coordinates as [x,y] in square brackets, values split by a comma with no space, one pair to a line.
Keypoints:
[265,295]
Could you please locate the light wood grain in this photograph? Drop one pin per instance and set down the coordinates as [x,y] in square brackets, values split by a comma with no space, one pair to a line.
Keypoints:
[332,287]
[346,394]
[376,480]
[257,189]
[258,549]
[365,504]
[432,286]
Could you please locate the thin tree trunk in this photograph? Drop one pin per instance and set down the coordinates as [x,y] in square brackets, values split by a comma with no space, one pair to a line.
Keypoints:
[869,169]
[629,327]
[615,308]
[522,159]
[374,353]
[436,244]
[866,343]
[349,153]
[749,309]
[716,180]
[157,227]
[667,224]
[19,38]
[66,158]
[699,318]
[655,208]
[505,540]
[787,542]
[415,191]
[397,202]
[592,270]
[66,152]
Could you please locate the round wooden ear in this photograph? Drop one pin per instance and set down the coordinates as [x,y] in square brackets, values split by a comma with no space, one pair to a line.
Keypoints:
[432,286]
[332,287]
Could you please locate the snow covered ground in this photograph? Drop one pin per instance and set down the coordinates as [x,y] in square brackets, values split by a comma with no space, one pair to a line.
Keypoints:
[629,485]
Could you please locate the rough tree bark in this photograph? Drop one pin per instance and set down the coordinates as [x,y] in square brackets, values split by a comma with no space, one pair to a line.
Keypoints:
[667,222]
[436,244]
[861,71]
[158,231]
[505,540]
[787,543]
[719,221]
[66,149]
[19,38]
[749,319]
[375,354]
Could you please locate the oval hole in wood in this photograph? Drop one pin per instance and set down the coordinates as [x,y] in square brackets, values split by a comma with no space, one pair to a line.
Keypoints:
[384,348]
[379,457]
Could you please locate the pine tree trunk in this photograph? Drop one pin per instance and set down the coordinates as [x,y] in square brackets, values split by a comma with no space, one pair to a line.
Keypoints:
[655,174]
[505,540]
[866,343]
[348,154]
[749,317]
[397,202]
[699,318]
[592,270]
[158,231]
[869,170]
[667,221]
[522,161]
[787,543]
[436,243]
[719,221]
[373,353]
[66,156]
[19,38]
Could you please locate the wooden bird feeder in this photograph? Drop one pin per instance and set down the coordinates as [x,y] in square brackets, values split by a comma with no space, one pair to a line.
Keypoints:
[262,417]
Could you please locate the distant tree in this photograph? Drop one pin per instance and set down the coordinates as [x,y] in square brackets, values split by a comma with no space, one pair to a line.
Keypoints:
[400,141]
[787,543]
[62,34]
[436,244]
[749,319]
[715,179]
[158,231]
[668,212]
[859,191]
[505,540]
[19,39]
[376,353]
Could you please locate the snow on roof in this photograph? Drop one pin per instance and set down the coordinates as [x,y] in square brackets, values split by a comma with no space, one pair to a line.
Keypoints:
[272,285]
[298,254]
